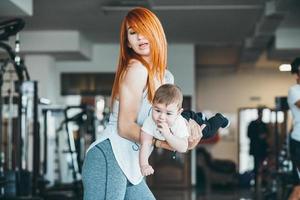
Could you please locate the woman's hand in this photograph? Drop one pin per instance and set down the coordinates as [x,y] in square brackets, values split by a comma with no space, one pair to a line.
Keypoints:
[195,133]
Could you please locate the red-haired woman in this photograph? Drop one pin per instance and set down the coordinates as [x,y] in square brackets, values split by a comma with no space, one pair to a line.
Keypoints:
[111,167]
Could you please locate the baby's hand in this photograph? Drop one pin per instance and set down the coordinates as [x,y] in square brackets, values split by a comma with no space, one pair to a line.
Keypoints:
[147,170]
[163,128]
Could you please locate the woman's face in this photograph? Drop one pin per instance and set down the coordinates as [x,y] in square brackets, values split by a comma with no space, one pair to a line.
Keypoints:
[138,43]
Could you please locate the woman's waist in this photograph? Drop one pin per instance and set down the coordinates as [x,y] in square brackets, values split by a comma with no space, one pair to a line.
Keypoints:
[296,127]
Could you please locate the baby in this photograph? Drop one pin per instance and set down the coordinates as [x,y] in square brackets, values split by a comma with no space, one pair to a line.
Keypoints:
[167,122]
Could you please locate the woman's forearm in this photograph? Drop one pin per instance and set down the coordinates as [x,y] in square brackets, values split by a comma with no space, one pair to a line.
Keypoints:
[130,131]
[178,144]
[164,145]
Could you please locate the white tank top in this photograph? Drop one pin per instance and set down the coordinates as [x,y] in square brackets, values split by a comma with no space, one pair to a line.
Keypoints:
[127,152]
[293,97]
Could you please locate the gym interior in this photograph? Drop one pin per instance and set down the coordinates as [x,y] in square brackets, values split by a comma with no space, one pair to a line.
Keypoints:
[57,67]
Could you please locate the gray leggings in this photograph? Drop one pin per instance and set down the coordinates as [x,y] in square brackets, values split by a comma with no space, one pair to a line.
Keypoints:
[103,178]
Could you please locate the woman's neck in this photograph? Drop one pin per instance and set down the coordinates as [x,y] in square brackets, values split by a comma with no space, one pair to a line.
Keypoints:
[147,59]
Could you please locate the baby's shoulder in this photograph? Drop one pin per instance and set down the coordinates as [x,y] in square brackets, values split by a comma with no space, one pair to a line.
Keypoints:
[180,128]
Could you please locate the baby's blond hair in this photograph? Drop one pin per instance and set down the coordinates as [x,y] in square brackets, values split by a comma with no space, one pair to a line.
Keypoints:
[168,94]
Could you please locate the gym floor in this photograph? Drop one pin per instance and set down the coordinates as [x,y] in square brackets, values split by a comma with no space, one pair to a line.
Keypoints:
[194,194]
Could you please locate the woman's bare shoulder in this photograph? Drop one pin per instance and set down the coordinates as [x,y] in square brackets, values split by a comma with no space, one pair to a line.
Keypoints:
[136,66]
[135,73]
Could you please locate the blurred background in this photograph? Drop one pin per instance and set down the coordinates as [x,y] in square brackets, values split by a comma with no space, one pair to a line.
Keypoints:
[58,60]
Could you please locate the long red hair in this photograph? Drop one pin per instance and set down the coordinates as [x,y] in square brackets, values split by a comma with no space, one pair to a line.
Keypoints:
[144,22]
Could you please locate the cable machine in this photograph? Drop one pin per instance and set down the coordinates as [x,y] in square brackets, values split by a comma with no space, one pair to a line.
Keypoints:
[19,138]
[276,173]
[64,150]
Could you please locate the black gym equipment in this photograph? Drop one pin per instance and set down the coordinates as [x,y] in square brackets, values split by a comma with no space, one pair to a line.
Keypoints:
[23,151]
[10,28]
[18,177]
[77,147]
[60,120]
[276,173]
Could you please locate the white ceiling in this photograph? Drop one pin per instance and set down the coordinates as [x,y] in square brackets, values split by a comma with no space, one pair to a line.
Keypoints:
[245,26]
[200,22]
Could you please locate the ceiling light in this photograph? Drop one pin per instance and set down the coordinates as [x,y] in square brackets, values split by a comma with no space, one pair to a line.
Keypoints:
[285,67]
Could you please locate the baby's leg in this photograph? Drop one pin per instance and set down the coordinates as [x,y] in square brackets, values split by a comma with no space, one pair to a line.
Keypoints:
[212,124]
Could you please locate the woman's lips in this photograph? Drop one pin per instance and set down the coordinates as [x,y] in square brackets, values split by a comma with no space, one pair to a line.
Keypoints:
[143,45]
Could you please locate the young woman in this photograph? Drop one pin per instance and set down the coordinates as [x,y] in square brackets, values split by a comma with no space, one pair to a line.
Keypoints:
[294,104]
[111,167]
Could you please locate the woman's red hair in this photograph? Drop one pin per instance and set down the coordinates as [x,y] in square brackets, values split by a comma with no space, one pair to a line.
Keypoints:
[144,22]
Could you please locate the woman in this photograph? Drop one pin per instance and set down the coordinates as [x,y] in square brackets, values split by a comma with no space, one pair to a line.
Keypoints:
[294,105]
[111,167]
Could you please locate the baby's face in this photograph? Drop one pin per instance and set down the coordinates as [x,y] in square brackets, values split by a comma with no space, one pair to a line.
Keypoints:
[165,113]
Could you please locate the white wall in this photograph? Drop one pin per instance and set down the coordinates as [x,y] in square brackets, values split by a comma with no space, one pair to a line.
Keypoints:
[229,91]
[47,70]
[42,69]
[105,59]
[181,64]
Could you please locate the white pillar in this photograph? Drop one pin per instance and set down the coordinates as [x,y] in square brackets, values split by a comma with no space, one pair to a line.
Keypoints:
[287,38]
[43,69]
[181,62]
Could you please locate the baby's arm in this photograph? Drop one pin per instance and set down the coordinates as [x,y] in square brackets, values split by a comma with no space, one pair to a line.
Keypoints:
[177,143]
[146,143]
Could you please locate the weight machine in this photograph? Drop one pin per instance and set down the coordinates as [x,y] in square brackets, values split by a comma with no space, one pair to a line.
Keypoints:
[19,138]
[278,172]
[64,150]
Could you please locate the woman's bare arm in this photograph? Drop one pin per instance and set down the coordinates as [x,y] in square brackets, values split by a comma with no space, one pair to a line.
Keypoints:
[130,98]
[163,144]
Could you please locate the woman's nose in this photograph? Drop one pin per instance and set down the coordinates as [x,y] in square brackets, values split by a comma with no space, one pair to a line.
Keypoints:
[140,36]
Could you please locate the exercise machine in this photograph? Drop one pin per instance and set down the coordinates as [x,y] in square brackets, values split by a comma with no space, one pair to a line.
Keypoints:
[19,130]
[67,134]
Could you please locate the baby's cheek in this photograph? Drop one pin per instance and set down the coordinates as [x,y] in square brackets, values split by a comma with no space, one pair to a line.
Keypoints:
[171,122]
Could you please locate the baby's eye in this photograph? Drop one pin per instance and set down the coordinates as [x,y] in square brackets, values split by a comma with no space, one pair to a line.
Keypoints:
[157,110]
[169,113]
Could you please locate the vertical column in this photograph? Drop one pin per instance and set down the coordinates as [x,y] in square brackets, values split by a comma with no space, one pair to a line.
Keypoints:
[181,62]
[42,68]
